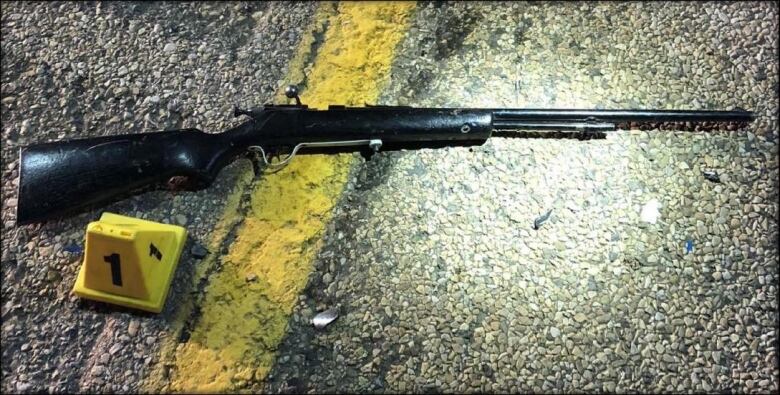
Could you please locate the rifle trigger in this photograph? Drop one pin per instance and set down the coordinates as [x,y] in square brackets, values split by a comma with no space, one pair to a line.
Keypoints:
[237,112]
[373,144]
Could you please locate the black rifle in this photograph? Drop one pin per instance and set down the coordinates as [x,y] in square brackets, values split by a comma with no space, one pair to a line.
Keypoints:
[63,177]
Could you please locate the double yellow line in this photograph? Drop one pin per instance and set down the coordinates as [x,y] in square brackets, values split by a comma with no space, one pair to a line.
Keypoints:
[244,312]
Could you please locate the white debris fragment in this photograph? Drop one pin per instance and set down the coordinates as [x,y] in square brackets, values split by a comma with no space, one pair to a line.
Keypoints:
[650,212]
[324,318]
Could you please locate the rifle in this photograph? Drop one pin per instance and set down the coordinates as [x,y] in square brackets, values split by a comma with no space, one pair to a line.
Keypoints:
[64,177]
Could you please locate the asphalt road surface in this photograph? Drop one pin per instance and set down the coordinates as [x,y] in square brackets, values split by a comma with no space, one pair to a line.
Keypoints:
[430,257]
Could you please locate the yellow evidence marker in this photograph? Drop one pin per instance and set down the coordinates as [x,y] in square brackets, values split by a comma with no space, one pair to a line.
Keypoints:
[129,261]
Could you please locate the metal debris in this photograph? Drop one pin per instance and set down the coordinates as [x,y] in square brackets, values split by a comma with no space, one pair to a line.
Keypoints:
[324,318]
[711,175]
[542,219]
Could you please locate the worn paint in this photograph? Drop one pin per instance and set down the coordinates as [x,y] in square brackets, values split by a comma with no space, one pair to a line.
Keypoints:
[230,217]
[247,304]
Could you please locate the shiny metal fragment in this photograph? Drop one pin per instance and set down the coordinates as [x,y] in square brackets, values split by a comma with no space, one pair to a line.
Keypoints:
[541,219]
[324,318]
[711,175]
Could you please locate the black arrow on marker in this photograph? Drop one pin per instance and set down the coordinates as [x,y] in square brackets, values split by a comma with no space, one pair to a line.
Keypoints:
[153,251]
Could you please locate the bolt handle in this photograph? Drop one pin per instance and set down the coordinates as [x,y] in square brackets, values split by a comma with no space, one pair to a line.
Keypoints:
[292,93]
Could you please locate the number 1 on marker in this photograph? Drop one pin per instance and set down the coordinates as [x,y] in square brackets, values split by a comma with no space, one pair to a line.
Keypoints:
[116,271]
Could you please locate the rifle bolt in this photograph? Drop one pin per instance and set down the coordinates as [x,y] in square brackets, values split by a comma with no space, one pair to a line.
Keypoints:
[291,91]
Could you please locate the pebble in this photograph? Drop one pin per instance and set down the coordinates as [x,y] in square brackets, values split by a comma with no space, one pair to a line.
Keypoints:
[198,251]
[115,349]
[180,219]
[132,328]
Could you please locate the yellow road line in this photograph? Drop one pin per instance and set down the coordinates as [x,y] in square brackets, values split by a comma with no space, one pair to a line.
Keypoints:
[247,304]
[230,217]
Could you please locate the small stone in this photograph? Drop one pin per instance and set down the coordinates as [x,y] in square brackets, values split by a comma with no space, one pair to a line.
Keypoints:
[724,212]
[181,219]
[251,277]
[170,47]
[173,105]
[104,358]
[132,328]
[695,378]
[98,370]
[579,317]
[716,240]
[53,276]
[198,251]
[651,211]
[120,91]
[555,332]
[115,349]
[701,229]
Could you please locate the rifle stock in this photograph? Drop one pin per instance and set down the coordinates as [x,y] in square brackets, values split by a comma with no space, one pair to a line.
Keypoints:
[67,176]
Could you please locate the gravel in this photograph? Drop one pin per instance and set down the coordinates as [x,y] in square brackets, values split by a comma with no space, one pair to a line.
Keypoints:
[444,287]
[440,281]
[74,70]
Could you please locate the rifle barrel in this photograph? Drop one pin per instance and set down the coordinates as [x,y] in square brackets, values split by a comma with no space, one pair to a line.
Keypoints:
[523,119]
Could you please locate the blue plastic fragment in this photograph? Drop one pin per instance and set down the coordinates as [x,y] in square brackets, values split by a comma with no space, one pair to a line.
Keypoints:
[73,249]
[688,246]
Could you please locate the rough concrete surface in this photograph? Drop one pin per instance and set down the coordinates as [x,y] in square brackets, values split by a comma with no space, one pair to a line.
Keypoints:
[441,281]
[82,69]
